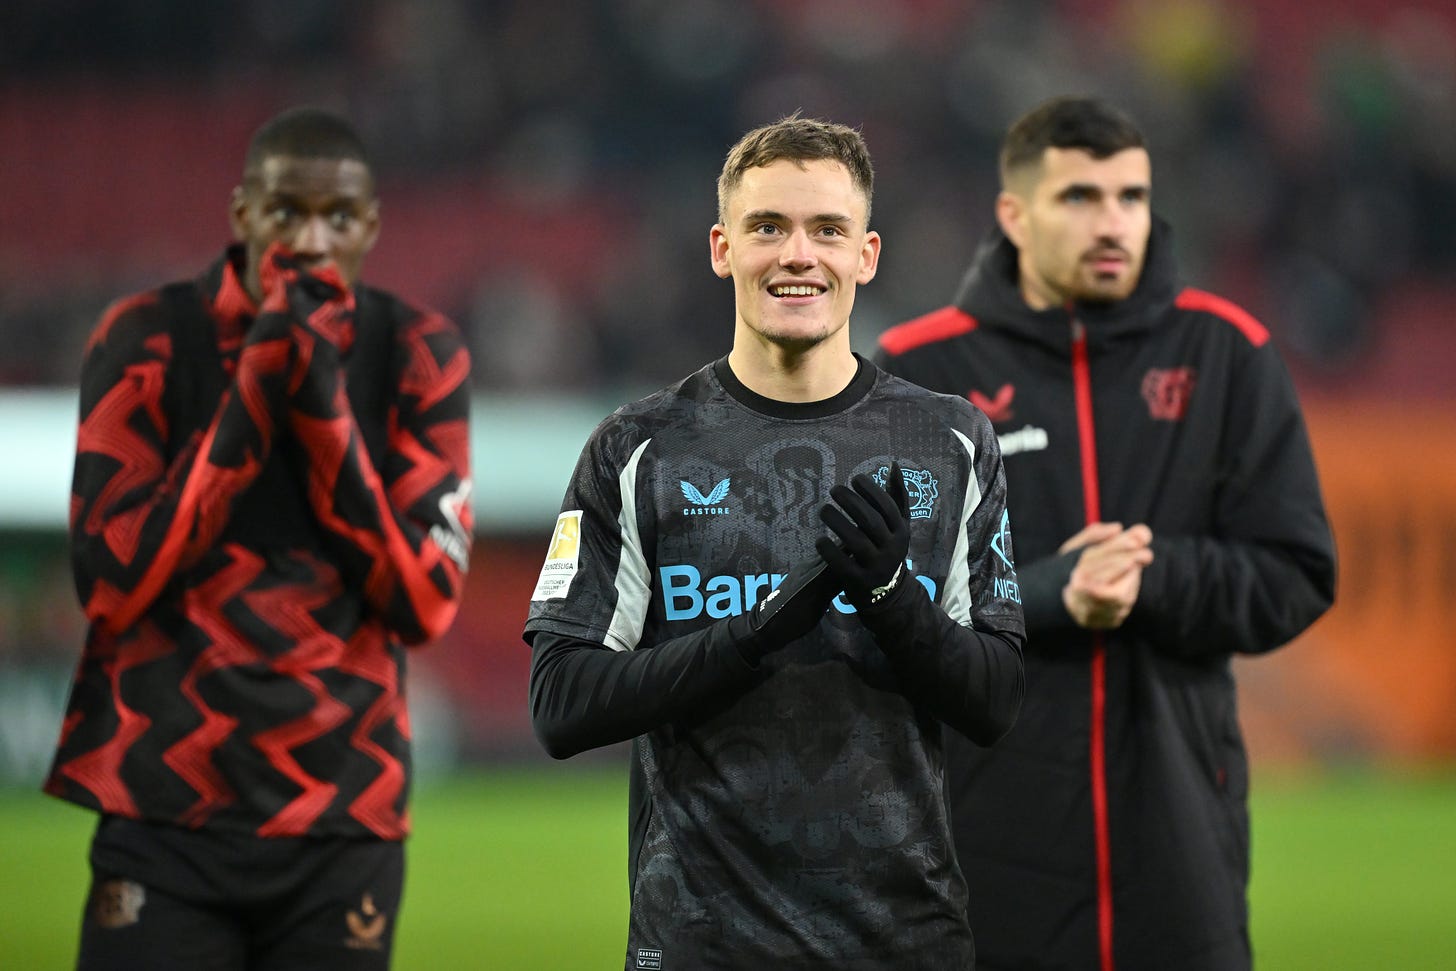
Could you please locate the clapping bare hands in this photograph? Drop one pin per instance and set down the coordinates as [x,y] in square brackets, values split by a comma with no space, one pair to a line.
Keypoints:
[1104,584]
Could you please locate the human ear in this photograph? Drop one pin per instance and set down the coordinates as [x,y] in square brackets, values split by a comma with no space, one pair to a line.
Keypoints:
[869,258]
[238,213]
[1011,215]
[718,251]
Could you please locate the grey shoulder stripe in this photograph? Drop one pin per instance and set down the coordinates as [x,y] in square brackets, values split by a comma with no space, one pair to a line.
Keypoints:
[956,598]
[634,586]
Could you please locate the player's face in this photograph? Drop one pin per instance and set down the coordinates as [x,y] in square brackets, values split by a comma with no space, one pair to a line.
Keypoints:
[796,244]
[1081,225]
[323,209]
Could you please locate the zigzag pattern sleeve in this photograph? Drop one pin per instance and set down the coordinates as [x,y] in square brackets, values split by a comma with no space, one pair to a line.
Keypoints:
[137,518]
[403,532]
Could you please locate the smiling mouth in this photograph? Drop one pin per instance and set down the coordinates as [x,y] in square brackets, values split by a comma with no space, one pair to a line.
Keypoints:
[797,290]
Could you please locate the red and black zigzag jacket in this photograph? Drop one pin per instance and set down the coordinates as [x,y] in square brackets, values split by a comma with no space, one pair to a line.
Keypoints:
[268,504]
[1109,829]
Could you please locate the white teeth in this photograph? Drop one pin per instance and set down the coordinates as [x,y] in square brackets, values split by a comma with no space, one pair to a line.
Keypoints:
[798,291]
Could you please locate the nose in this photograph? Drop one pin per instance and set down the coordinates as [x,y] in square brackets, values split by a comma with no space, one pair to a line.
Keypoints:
[797,251]
[1111,220]
[313,237]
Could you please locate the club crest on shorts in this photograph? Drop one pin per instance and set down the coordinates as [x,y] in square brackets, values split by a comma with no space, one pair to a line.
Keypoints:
[366,926]
[118,903]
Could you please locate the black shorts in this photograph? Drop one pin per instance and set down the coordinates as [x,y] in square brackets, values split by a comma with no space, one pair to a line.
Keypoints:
[165,898]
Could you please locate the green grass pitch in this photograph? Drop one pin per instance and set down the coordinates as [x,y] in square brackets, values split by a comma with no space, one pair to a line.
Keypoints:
[526,869]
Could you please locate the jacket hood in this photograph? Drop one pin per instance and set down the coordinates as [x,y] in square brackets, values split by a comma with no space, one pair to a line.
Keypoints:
[991,293]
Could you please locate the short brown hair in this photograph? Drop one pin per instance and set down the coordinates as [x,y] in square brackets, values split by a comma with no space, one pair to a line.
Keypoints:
[798,140]
[1069,121]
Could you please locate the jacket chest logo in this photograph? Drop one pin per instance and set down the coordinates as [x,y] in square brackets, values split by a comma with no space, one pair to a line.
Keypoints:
[1168,391]
[997,407]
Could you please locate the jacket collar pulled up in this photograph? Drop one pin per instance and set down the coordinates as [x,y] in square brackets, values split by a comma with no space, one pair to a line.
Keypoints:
[991,293]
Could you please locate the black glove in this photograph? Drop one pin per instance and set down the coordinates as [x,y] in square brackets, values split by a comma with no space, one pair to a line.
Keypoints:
[874,537]
[788,612]
[316,298]
[318,309]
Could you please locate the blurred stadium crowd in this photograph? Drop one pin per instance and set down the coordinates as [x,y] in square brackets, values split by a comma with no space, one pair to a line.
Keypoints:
[548,173]
[548,166]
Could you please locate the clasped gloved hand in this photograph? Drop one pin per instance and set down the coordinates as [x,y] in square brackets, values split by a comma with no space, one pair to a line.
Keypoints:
[317,309]
[873,527]
[788,612]
[315,297]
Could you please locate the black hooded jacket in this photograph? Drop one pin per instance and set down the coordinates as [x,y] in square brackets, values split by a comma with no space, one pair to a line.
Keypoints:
[1110,827]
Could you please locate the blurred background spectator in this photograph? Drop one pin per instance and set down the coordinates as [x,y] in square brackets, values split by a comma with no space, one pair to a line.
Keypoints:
[547,171]
[548,165]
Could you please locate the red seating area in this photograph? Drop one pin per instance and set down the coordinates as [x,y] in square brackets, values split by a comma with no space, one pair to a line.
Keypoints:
[133,181]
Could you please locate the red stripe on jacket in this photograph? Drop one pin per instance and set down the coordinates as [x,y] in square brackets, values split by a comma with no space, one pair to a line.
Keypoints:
[1227,310]
[935,326]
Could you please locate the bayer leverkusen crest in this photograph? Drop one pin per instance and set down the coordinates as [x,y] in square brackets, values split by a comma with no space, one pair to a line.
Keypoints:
[1168,391]
[920,489]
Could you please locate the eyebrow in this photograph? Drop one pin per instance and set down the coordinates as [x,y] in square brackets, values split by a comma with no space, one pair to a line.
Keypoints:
[302,198]
[772,215]
[1140,187]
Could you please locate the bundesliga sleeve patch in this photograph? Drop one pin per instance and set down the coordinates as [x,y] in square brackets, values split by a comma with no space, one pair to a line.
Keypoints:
[561,558]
